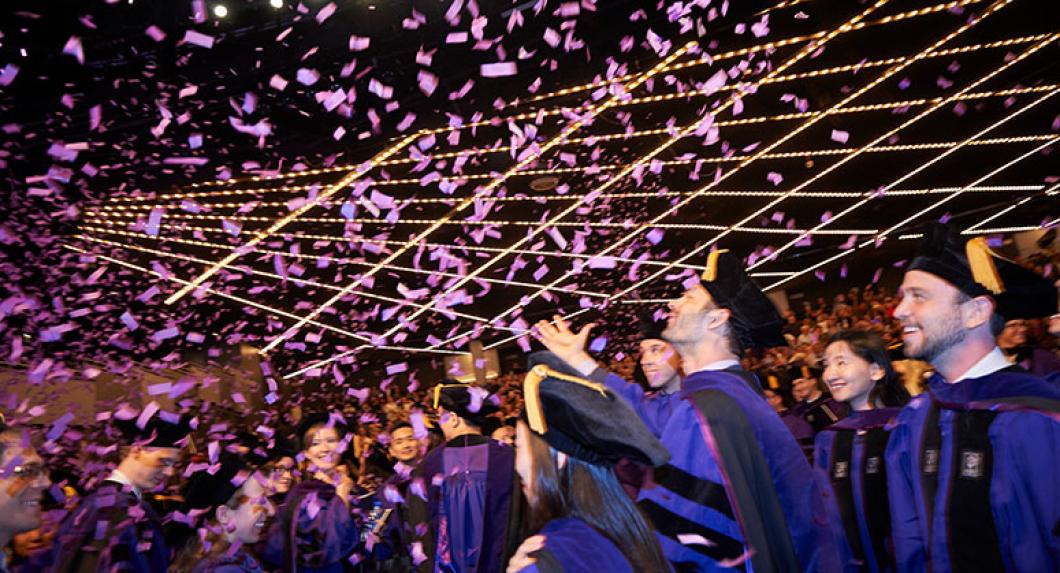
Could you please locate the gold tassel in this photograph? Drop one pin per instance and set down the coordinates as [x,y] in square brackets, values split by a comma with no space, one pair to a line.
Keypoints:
[981,261]
[535,416]
[710,273]
[774,382]
[805,371]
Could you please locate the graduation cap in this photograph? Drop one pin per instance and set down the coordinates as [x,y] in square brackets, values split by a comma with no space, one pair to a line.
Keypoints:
[208,491]
[802,370]
[458,398]
[585,419]
[976,270]
[755,321]
[158,431]
[650,328]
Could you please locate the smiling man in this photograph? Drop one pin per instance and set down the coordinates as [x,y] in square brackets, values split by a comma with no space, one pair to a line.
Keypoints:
[973,463]
[23,480]
[114,528]
[737,487]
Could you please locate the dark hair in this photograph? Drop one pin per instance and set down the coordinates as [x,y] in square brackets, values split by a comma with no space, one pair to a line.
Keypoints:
[592,494]
[209,544]
[868,346]
[399,425]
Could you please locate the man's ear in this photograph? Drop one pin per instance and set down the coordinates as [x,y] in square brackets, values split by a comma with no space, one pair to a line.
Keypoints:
[977,311]
[719,316]
[224,514]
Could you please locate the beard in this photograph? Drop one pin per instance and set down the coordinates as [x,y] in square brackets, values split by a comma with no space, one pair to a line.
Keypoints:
[935,343]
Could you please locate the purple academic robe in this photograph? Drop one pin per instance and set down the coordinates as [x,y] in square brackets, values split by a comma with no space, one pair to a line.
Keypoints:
[848,464]
[571,546]
[973,470]
[465,506]
[110,530]
[313,532]
[736,478]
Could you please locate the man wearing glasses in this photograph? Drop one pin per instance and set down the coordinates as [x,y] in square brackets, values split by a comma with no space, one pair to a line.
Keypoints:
[23,480]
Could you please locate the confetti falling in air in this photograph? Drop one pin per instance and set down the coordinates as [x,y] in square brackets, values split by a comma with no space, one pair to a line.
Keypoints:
[450,175]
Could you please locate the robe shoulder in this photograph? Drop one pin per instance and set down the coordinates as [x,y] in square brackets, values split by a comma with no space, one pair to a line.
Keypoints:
[574,547]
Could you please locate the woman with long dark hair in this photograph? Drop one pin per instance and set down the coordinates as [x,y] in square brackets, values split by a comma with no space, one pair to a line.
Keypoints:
[849,455]
[573,433]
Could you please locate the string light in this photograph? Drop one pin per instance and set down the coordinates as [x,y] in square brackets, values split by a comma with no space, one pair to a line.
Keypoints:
[938,158]
[607,137]
[249,270]
[998,230]
[912,217]
[500,223]
[763,47]
[612,167]
[972,229]
[718,57]
[381,242]
[804,52]
[261,236]
[890,72]
[212,291]
[393,267]
[529,158]
[104,209]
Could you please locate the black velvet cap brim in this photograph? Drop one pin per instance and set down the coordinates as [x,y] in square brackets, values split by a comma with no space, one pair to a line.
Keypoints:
[755,320]
[456,398]
[595,427]
[156,433]
[1026,294]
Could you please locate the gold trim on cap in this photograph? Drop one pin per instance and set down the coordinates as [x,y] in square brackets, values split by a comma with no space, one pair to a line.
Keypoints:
[535,416]
[710,273]
[438,391]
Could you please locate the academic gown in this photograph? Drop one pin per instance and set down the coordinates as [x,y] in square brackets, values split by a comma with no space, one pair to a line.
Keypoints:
[466,507]
[737,486]
[110,530]
[849,467]
[571,546]
[313,531]
[240,562]
[973,470]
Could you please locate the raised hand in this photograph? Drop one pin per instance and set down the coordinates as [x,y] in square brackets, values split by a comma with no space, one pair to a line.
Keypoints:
[568,345]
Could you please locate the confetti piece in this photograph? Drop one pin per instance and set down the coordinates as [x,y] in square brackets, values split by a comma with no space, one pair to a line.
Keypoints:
[73,48]
[155,33]
[306,76]
[359,43]
[7,75]
[325,12]
[198,39]
[498,69]
[840,136]
[694,539]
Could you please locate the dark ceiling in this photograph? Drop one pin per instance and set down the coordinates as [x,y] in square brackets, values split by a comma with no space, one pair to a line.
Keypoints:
[814,150]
